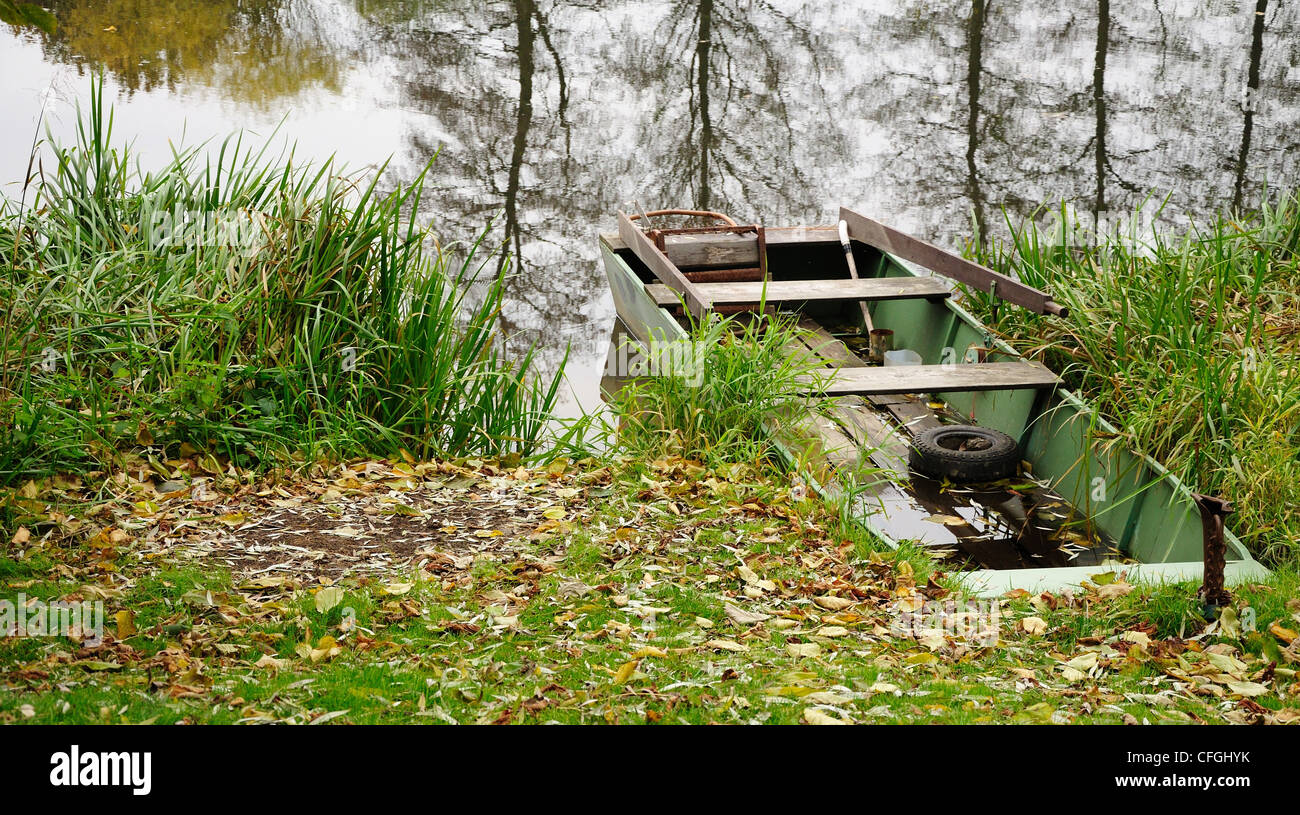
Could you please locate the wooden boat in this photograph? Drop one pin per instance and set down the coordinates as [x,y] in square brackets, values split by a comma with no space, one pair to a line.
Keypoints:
[1082,503]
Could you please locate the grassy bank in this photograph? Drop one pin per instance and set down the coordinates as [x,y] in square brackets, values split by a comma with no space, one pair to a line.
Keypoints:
[592,592]
[244,310]
[689,581]
[1189,343]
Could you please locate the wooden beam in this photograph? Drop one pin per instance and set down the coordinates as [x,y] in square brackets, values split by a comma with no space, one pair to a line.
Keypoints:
[983,376]
[662,267]
[940,261]
[806,291]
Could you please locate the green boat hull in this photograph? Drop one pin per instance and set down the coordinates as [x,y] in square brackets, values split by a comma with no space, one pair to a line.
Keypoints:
[1127,495]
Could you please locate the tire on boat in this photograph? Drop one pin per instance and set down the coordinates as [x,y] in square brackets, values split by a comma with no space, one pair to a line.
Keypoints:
[964,453]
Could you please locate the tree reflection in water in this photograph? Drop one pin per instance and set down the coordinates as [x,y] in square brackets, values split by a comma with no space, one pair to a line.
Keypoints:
[934,115]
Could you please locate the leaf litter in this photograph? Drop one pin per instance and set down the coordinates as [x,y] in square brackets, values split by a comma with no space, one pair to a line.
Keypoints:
[487,592]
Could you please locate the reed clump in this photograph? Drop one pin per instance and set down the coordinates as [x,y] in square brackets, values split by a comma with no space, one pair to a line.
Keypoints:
[260,309]
[1189,342]
[736,377]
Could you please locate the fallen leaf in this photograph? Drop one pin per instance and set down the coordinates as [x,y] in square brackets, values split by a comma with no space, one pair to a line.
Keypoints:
[831,603]
[1286,635]
[813,715]
[270,662]
[625,671]
[1033,626]
[125,624]
[742,617]
[328,598]
[1247,689]
[803,649]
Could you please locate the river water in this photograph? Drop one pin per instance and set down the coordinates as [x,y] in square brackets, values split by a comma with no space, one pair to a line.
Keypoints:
[936,117]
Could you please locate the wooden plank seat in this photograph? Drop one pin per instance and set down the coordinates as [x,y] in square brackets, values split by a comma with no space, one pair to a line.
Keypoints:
[982,376]
[805,291]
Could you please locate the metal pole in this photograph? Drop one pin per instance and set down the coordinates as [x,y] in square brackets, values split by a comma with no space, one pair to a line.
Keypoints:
[1213,510]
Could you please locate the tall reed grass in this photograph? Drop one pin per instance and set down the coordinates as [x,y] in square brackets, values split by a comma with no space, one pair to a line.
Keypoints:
[1190,343]
[264,310]
[744,377]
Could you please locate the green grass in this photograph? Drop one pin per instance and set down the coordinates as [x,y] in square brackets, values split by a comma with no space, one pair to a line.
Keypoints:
[1189,343]
[742,376]
[306,317]
[647,642]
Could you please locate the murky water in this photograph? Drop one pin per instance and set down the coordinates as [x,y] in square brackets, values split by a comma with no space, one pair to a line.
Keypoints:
[932,116]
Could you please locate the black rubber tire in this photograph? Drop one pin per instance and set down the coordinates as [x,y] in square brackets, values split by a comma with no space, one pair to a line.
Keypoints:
[933,454]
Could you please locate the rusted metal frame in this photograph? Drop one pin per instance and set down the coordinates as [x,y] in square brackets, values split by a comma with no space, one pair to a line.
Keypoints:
[694,213]
[940,261]
[725,275]
[1215,550]
[664,269]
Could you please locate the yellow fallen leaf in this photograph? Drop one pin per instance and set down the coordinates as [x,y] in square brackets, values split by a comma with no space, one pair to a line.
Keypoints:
[813,715]
[1247,688]
[1138,638]
[328,598]
[1117,589]
[325,648]
[1084,662]
[946,520]
[1033,626]
[832,603]
[788,691]
[625,671]
[125,624]
[726,645]
[1286,635]
[649,651]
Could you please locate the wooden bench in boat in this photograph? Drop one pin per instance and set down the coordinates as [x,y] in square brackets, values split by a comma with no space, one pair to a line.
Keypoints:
[982,376]
[807,291]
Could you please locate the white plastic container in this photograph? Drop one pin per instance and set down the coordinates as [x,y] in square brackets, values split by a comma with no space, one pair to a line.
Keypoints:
[903,356]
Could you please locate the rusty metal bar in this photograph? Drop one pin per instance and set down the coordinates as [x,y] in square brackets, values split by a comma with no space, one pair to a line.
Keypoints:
[1215,550]
[750,274]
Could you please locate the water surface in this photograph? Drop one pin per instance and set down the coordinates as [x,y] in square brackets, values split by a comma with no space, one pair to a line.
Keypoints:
[932,116]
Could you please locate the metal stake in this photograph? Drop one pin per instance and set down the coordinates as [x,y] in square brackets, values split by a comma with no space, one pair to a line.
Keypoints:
[1213,510]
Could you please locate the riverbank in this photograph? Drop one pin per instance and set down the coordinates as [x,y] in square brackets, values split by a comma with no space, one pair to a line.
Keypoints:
[589,592]
[244,307]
